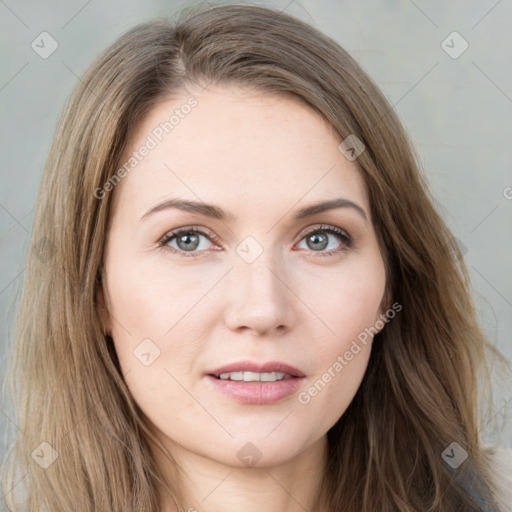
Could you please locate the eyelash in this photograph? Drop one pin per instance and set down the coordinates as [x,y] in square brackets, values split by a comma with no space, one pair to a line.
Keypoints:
[333,230]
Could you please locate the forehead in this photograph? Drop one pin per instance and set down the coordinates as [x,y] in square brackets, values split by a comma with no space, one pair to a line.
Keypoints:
[231,143]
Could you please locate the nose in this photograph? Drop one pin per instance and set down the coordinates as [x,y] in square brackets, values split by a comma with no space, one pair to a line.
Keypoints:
[259,298]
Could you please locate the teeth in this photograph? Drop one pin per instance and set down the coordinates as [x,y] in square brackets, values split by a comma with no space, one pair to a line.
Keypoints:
[254,376]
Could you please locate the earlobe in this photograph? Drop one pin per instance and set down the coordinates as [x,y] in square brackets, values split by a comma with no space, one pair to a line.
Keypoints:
[386,302]
[384,309]
[103,311]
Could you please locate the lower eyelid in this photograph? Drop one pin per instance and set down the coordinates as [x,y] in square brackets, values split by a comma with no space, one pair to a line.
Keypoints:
[170,237]
[342,236]
[344,239]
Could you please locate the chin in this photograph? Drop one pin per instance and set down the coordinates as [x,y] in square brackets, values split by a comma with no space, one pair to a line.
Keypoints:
[260,451]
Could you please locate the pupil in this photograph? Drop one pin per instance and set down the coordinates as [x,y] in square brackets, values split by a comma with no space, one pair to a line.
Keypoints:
[317,239]
[191,241]
[188,244]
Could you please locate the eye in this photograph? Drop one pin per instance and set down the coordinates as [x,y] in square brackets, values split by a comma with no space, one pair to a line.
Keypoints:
[186,240]
[318,239]
[189,240]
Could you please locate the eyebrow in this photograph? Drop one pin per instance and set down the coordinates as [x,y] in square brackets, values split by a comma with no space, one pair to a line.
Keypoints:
[215,212]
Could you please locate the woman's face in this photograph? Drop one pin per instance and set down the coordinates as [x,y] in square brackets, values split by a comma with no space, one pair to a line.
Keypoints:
[265,285]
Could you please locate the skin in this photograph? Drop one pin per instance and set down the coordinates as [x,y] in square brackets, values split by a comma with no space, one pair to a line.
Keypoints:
[261,157]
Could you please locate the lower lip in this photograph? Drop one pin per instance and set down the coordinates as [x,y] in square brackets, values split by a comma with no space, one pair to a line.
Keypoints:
[258,393]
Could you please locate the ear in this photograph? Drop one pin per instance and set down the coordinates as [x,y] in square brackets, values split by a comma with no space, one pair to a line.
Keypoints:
[386,302]
[385,306]
[103,310]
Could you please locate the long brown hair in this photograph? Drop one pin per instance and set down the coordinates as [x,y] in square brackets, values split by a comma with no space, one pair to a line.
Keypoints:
[420,392]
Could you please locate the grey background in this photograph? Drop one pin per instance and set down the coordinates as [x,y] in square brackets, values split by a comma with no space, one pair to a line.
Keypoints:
[457,112]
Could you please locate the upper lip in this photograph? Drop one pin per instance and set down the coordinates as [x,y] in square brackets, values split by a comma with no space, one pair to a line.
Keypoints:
[250,366]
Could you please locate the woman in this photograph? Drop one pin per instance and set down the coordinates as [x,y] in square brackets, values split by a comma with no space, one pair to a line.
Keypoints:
[240,295]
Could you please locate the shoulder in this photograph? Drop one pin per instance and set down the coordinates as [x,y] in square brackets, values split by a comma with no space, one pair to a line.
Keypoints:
[499,462]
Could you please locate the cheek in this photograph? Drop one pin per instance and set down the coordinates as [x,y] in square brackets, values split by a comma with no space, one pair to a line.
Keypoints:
[148,299]
[351,310]
[340,368]
[346,300]
[159,317]
[334,387]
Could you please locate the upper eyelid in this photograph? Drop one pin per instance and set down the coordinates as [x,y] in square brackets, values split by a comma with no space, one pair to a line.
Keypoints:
[171,235]
[194,229]
[326,227]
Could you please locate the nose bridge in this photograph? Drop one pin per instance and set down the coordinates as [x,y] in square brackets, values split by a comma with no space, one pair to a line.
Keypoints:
[259,299]
[261,278]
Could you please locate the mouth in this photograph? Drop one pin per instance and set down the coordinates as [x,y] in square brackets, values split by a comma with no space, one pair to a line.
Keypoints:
[254,383]
[249,371]
[254,376]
